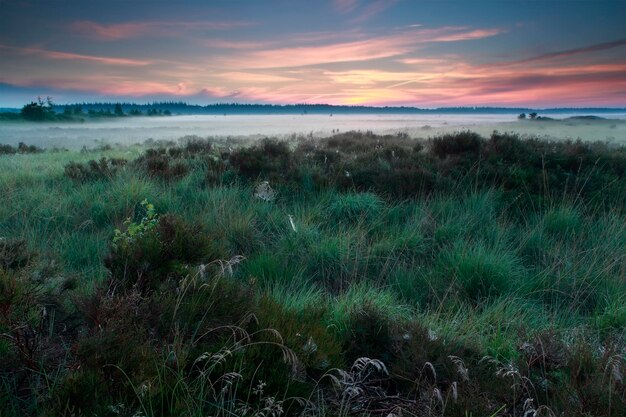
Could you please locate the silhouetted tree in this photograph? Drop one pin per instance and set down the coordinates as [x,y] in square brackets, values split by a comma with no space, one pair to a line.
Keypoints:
[532,115]
[39,110]
[118,110]
[522,116]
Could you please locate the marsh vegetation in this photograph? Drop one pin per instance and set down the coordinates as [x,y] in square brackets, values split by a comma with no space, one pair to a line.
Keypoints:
[355,274]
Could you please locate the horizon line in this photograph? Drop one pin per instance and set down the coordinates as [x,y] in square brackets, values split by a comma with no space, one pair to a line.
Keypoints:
[346,106]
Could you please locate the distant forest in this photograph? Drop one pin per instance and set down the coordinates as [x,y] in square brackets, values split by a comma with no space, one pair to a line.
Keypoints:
[46,110]
[235,108]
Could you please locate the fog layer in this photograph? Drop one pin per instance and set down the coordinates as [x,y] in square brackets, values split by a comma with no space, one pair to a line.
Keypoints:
[131,130]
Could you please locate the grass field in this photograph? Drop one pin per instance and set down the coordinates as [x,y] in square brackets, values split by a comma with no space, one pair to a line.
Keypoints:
[350,275]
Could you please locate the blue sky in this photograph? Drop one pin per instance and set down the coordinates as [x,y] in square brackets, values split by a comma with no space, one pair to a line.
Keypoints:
[377,52]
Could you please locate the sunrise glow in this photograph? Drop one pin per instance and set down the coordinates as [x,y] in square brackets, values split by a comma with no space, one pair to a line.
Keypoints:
[380,52]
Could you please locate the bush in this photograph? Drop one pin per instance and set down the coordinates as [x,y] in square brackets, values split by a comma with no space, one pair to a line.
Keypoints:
[104,169]
[271,160]
[13,253]
[22,148]
[157,248]
[161,164]
[7,149]
[369,334]
[193,145]
[456,144]
[34,325]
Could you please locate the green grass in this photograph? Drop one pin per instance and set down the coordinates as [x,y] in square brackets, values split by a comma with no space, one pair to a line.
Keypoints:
[474,269]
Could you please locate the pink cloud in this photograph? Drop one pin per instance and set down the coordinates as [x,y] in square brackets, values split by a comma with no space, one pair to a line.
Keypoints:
[468,35]
[78,57]
[116,31]
[359,50]
[420,61]
[373,9]
[390,71]
[228,44]
[247,77]
[572,52]
[345,6]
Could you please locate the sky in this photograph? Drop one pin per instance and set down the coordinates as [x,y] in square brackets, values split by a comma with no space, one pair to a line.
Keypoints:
[424,53]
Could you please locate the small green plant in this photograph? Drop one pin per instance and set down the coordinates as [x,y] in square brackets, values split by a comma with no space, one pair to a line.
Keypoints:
[134,229]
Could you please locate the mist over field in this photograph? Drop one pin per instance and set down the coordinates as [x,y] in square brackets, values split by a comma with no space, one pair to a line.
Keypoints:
[133,130]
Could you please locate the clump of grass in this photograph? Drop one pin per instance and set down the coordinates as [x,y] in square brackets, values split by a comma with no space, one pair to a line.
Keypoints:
[479,272]
[353,208]
[562,221]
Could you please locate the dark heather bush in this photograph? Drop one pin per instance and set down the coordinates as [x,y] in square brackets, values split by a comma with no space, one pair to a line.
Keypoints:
[14,253]
[161,163]
[456,144]
[271,159]
[34,325]
[152,257]
[395,166]
[7,149]
[21,148]
[195,146]
[94,170]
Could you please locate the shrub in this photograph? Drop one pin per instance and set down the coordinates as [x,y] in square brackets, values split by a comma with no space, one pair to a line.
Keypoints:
[34,325]
[7,149]
[14,253]
[94,170]
[369,334]
[157,248]
[270,159]
[160,164]
[193,145]
[456,144]
[22,148]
